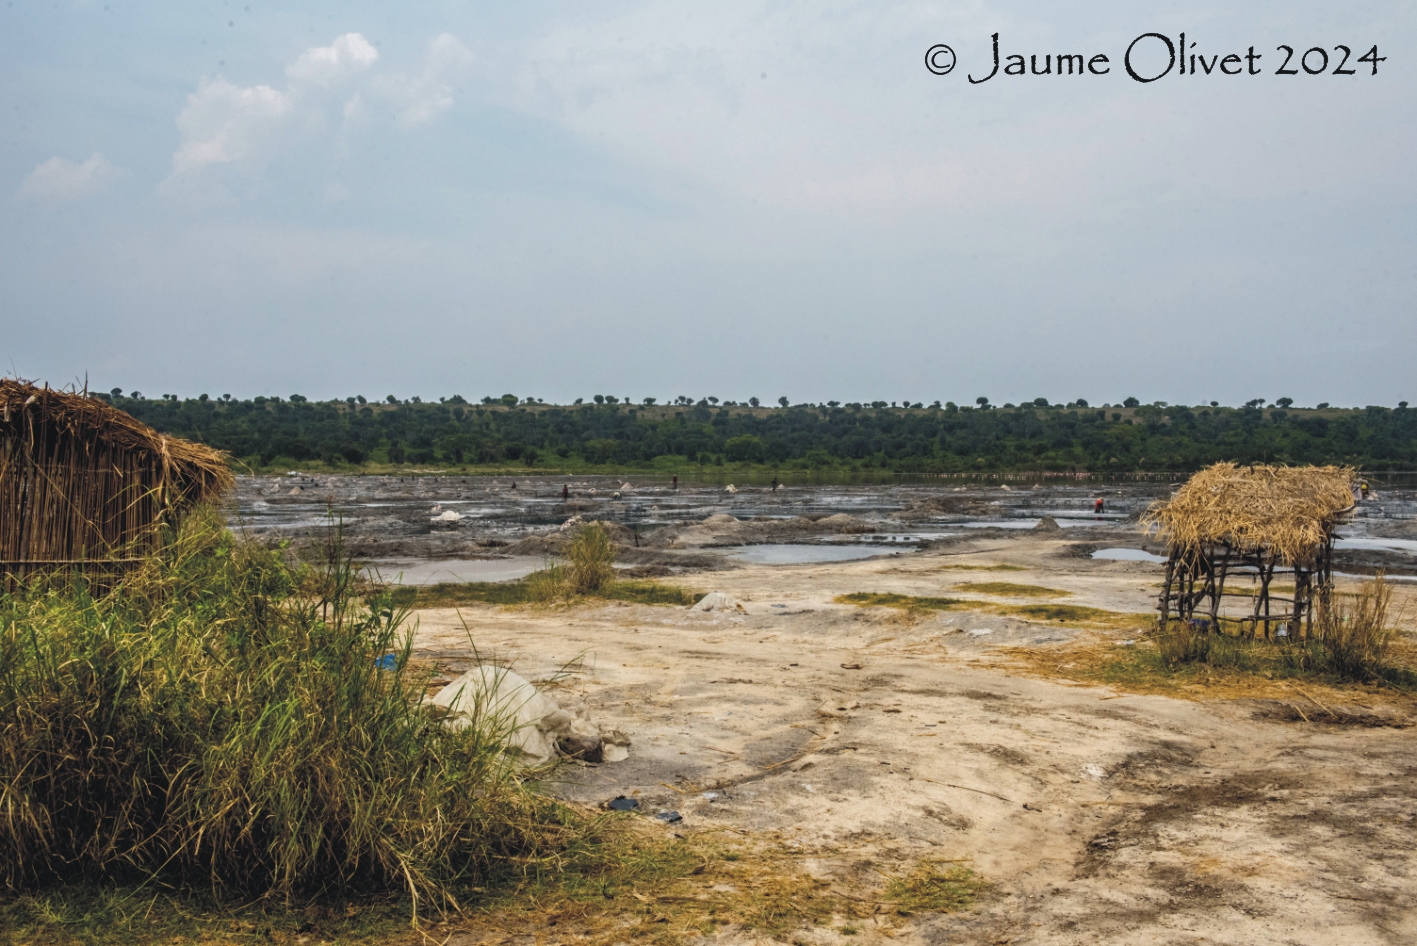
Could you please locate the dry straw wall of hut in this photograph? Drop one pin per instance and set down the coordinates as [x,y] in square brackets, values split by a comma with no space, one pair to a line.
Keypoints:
[84,484]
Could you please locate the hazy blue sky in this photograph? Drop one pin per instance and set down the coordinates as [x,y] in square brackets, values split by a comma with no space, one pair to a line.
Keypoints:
[735,199]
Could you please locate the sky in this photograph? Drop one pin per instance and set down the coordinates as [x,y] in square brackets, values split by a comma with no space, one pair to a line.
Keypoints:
[731,199]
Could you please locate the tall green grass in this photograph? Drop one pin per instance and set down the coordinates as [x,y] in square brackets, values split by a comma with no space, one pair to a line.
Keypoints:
[220,722]
[592,558]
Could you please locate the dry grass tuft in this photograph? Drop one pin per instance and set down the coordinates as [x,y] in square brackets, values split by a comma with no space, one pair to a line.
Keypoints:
[1355,633]
[645,887]
[935,887]
[983,568]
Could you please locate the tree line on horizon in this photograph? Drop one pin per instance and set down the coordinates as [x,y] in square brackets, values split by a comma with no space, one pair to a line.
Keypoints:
[612,433]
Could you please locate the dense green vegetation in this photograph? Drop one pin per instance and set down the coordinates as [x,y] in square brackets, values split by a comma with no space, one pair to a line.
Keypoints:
[686,436]
[224,722]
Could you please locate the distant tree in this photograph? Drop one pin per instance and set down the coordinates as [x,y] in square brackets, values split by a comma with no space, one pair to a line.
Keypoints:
[392,400]
[203,398]
[1131,402]
[1214,403]
[1254,403]
[935,405]
[600,399]
[1081,403]
[360,399]
[580,400]
[713,400]
[983,403]
[649,402]
[1284,402]
[611,399]
[754,402]
[117,393]
[1321,406]
[1040,402]
[1402,405]
[782,401]
[417,399]
[510,400]
[833,404]
[744,447]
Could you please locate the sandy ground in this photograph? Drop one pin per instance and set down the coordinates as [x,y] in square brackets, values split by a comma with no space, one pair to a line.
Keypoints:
[1098,817]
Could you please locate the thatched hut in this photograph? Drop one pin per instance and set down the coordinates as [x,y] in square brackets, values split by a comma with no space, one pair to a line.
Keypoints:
[1251,522]
[82,484]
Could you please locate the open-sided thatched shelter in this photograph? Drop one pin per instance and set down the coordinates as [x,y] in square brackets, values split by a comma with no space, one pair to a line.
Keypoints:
[1252,522]
[84,484]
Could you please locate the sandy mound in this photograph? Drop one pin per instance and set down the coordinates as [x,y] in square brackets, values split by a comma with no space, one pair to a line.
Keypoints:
[722,529]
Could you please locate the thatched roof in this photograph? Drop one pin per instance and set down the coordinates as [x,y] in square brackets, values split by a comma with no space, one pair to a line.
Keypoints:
[178,470]
[1289,511]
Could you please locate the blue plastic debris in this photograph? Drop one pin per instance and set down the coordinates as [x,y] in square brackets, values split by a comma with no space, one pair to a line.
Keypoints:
[621,803]
[387,662]
[670,817]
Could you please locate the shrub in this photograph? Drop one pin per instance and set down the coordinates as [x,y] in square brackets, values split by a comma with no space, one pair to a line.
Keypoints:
[591,555]
[221,721]
[1354,631]
[1182,642]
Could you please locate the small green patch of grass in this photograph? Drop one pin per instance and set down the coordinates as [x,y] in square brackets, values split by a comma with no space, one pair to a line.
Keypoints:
[1073,614]
[1051,613]
[983,568]
[1009,589]
[934,888]
[540,587]
[872,599]
[619,880]
[649,592]
[452,594]
[1227,662]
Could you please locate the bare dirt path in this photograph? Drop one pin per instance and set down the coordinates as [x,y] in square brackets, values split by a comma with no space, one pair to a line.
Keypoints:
[885,736]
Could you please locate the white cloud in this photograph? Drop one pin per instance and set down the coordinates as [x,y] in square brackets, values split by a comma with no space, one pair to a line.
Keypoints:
[322,65]
[422,98]
[223,122]
[62,179]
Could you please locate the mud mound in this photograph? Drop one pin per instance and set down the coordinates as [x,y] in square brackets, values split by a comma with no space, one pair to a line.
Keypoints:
[555,543]
[937,506]
[721,530]
[647,571]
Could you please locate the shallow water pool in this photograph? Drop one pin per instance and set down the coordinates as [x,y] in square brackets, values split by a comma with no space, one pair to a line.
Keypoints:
[787,554]
[1128,555]
[440,571]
